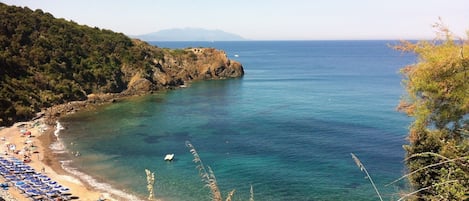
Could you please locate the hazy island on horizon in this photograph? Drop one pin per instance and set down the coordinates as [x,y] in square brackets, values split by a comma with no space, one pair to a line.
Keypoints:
[189,34]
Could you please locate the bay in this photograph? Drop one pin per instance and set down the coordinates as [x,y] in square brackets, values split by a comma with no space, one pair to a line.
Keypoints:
[287,127]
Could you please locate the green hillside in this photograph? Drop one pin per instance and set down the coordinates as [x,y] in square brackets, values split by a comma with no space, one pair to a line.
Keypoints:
[46,61]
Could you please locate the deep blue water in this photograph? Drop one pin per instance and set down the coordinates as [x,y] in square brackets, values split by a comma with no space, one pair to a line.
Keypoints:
[287,127]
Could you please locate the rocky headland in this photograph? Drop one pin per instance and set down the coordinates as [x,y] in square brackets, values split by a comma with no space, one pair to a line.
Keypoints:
[58,66]
[177,69]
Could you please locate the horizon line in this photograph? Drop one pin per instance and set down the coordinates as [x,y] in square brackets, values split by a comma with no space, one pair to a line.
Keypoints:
[285,40]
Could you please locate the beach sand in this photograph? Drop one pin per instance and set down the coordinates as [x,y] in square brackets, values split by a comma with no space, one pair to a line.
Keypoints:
[44,160]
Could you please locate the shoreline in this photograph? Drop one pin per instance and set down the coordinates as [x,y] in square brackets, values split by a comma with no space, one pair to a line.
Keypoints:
[55,146]
[46,161]
[80,184]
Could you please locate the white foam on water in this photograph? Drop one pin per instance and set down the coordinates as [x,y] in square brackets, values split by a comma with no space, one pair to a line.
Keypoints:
[58,146]
[58,128]
[96,184]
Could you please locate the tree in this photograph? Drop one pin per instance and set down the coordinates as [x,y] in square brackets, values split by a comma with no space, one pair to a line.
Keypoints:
[438,99]
[46,61]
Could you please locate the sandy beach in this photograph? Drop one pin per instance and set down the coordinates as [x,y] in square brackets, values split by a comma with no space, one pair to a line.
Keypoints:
[39,137]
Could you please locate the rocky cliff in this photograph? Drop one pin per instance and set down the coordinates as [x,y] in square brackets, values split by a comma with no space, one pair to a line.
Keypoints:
[172,68]
[46,62]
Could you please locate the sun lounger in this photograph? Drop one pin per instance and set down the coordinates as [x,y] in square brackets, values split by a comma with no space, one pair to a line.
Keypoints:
[31,183]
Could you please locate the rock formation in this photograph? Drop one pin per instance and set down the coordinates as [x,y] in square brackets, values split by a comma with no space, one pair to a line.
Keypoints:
[45,62]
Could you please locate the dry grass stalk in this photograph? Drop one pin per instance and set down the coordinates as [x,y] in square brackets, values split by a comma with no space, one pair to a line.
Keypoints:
[426,188]
[251,198]
[426,154]
[150,183]
[447,160]
[206,174]
[363,169]
[230,195]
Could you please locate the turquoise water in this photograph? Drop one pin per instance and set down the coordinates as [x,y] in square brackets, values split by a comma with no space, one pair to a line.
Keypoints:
[287,127]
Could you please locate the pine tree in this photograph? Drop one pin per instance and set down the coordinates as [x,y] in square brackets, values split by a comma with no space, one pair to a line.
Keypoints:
[438,100]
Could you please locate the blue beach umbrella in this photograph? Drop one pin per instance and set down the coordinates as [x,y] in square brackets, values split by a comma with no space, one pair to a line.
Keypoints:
[25,187]
[45,180]
[52,193]
[11,177]
[20,183]
[38,184]
[45,188]
[64,190]
[32,192]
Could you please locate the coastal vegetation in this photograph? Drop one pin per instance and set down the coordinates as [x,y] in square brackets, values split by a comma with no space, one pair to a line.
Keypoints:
[46,61]
[438,100]
[208,177]
[363,169]
[150,183]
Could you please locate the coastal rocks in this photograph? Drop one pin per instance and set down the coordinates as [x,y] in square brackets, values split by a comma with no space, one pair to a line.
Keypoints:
[137,83]
[173,70]
[180,66]
[214,64]
[51,114]
[209,63]
[38,74]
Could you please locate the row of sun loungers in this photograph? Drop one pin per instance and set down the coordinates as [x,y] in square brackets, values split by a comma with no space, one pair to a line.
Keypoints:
[32,184]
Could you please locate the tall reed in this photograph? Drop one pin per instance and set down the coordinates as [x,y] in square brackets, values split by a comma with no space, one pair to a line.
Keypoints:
[150,183]
[363,169]
[251,198]
[207,176]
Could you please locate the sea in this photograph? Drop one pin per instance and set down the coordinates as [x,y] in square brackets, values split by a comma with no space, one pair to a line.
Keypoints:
[286,129]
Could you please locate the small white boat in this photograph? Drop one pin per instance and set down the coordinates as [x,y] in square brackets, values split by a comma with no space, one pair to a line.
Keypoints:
[169,157]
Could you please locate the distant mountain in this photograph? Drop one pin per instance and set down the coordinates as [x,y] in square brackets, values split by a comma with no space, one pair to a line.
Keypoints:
[189,34]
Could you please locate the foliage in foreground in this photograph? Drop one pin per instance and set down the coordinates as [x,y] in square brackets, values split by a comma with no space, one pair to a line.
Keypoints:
[438,100]
[208,177]
[150,184]
[363,169]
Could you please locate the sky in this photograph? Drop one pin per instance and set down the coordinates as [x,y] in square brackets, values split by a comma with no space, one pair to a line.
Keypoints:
[268,19]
